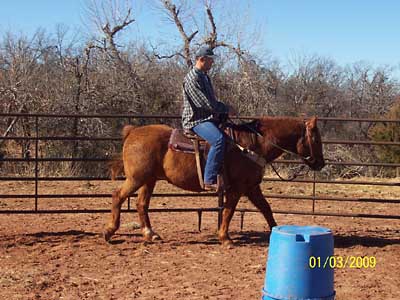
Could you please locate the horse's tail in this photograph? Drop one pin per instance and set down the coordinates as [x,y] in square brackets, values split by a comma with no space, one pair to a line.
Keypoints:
[116,167]
[117,164]
[126,131]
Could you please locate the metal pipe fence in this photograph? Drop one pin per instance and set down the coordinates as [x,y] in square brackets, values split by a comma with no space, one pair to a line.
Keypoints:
[36,161]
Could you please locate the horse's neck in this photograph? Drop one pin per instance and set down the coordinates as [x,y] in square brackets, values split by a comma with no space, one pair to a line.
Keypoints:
[283,132]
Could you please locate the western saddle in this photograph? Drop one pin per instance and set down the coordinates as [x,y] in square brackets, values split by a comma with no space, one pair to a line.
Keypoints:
[189,142]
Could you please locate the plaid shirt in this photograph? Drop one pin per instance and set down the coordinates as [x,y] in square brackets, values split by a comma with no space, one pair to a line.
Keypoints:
[199,102]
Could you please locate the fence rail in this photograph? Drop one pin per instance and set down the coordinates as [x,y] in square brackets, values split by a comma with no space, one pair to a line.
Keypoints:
[314,197]
[87,138]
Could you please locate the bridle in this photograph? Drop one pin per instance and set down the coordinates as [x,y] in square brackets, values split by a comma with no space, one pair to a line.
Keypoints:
[307,136]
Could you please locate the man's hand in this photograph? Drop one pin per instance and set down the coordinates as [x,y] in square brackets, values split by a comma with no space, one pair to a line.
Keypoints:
[231,111]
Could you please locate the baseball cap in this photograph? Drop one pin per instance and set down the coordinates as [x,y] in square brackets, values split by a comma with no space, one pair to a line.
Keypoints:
[205,51]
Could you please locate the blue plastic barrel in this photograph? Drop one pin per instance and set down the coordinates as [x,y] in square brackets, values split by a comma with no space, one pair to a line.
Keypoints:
[290,273]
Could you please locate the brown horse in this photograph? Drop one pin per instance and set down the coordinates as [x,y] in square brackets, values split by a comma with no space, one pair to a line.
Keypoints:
[146,158]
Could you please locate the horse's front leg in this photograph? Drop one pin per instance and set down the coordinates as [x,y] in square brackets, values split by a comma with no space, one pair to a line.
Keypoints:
[256,197]
[232,199]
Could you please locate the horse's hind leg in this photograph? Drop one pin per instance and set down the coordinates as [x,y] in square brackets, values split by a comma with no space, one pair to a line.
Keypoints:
[256,197]
[118,198]
[232,199]
[144,195]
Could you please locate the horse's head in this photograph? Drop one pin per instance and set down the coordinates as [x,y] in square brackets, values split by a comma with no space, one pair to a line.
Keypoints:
[309,145]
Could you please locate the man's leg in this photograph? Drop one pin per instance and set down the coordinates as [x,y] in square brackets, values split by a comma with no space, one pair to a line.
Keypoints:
[211,133]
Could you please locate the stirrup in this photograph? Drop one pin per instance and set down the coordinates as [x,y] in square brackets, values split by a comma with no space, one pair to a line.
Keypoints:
[218,187]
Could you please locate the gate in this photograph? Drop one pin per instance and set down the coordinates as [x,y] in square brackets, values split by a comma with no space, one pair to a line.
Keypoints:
[39,140]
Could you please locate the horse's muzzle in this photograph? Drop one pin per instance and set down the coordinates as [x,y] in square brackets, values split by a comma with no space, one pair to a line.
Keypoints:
[314,164]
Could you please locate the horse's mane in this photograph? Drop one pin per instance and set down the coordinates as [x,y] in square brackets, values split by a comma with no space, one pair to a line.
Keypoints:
[251,127]
[278,124]
[246,133]
[270,122]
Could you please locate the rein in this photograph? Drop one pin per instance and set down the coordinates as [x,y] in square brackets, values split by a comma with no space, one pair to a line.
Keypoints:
[294,176]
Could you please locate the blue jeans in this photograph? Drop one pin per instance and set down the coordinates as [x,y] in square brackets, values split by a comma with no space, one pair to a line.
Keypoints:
[216,138]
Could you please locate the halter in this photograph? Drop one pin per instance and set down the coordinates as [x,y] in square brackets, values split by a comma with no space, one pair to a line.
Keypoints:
[308,135]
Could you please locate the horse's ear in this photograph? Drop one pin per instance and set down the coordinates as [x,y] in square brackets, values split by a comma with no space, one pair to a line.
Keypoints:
[312,122]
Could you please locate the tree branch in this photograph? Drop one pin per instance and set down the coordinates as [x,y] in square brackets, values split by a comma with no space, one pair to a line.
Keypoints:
[211,40]
[174,14]
[120,27]
[115,53]
[239,52]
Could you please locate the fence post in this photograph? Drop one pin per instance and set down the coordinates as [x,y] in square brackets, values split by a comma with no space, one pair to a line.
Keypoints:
[36,161]
[313,200]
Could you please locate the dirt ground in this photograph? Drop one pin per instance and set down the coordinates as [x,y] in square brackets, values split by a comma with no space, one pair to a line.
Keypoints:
[63,256]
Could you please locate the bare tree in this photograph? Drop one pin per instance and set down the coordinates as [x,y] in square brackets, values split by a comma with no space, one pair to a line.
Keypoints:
[179,12]
[212,38]
[174,13]
[111,18]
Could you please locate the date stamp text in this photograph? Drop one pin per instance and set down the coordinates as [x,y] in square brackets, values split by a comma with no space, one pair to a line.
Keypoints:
[340,262]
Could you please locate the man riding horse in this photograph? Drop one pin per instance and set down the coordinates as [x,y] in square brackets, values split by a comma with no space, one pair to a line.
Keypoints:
[147,155]
[203,113]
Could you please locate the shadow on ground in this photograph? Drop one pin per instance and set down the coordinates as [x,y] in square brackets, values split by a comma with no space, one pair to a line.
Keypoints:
[239,239]
[346,241]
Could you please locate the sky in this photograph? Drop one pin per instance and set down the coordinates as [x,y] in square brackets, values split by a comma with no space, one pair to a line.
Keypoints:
[347,31]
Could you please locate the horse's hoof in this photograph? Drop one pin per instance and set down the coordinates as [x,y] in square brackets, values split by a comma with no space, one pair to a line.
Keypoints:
[156,237]
[152,238]
[107,235]
[149,235]
[228,244]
